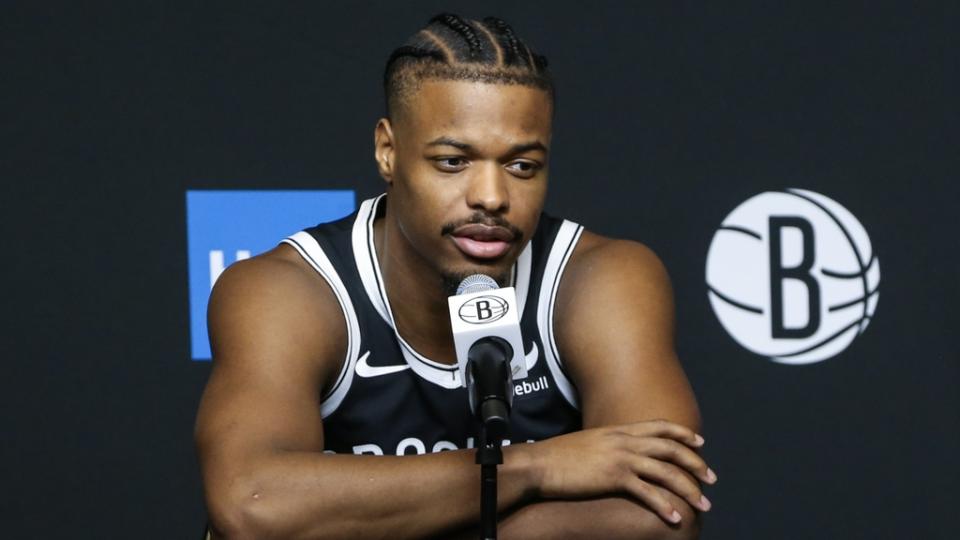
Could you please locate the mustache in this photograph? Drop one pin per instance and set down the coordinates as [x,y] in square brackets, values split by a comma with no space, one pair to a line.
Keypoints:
[480,218]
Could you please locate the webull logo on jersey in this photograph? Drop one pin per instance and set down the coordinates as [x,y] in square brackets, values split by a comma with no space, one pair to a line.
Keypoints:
[227,226]
[527,387]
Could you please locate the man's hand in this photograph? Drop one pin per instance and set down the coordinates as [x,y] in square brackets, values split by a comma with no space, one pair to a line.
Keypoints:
[632,459]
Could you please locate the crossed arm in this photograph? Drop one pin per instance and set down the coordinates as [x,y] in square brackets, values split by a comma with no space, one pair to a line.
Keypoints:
[259,434]
[614,325]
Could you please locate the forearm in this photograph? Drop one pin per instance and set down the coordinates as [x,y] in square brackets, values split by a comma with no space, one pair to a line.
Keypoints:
[611,518]
[313,495]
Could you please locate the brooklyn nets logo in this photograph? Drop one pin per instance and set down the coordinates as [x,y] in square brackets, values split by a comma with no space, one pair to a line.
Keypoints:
[483,309]
[792,276]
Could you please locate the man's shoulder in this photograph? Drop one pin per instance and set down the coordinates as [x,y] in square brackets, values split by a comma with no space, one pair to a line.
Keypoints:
[274,312]
[597,256]
[603,261]
[275,290]
[611,285]
[280,274]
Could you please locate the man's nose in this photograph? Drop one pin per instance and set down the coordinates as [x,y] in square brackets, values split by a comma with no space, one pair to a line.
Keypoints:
[488,189]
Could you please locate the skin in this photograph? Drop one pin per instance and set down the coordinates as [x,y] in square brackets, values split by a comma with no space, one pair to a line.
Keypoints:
[455,151]
[431,182]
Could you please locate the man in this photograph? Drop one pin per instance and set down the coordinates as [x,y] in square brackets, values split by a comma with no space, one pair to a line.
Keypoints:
[336,347]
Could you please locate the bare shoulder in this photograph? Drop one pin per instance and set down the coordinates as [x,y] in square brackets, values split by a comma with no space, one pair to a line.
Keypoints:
[275,309]
[614,325]
[608,266]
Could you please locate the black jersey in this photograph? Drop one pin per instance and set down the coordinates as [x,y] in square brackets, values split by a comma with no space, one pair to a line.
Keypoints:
[388,398]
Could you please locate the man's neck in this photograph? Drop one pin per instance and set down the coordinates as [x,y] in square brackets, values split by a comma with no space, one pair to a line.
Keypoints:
[416,295]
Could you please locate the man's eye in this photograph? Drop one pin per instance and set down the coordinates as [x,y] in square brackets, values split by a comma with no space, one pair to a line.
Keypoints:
[451,163]
[524,169]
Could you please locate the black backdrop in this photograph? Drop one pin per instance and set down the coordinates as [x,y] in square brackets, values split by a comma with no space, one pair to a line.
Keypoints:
[671,114]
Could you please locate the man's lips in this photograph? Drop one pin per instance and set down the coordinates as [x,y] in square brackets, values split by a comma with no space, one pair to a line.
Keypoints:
[482,241]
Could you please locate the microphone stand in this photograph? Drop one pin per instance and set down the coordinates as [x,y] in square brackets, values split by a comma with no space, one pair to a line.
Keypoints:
[491,393]
[489,455]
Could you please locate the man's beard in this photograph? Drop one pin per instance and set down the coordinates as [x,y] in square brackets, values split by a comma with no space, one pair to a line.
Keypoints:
[452,280]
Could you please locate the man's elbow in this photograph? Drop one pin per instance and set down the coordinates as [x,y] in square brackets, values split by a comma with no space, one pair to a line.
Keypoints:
[613,518]
[652,527]
[239,512]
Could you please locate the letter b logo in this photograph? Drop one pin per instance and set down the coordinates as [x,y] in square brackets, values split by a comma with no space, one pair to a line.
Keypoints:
[800,272]
[792,276]
[483,309]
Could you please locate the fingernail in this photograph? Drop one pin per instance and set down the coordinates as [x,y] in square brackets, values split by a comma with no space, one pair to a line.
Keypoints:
[675,517]
[711,476]
[705,503]
[698,440]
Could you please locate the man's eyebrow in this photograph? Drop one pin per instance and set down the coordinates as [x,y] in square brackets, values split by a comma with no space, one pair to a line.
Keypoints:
[515,149]
[447,141]
[526,147]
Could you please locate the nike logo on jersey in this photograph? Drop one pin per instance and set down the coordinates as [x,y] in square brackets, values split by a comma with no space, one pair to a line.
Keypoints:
[367,371]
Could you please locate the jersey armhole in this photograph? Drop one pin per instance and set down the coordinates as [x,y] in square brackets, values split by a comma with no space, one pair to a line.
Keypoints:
[563,245]
[308,248]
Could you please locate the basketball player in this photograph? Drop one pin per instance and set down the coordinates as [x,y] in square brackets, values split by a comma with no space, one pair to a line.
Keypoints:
[334,408]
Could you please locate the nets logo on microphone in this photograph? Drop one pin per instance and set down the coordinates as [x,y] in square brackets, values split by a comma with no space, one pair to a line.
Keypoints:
[227,226]
[792,276]
[483,309]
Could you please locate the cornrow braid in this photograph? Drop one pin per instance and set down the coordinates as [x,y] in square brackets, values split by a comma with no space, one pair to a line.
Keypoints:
[458,25]
[504,31]
[452,48]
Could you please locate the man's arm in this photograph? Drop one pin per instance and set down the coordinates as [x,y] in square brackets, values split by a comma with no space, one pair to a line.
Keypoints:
[614,326]
[278,339]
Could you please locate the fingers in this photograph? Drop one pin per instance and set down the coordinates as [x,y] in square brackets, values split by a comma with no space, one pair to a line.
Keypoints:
[674,479]
[665,429]
[664,455]
[655,462]
[674,452]
[650,496]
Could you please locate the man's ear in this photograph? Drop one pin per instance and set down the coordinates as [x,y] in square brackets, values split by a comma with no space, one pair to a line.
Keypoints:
[384,149]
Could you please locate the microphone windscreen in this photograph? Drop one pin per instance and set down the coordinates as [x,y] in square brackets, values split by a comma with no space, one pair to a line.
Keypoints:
[477,283]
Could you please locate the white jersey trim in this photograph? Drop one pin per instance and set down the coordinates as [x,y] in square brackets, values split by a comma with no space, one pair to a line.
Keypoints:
[365,256]
[311,252]
[521,276]
[563,246]
[364,251]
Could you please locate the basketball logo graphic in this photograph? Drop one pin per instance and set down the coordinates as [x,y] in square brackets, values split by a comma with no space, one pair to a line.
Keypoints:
[483,309]
[792,276]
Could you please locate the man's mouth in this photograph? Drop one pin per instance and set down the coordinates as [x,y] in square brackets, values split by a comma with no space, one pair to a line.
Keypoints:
[482,241]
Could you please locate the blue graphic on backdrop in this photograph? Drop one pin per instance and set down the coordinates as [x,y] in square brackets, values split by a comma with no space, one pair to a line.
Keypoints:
[226,226]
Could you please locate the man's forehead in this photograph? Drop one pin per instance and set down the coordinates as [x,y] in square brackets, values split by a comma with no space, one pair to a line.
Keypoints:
[458,109]
[440,91]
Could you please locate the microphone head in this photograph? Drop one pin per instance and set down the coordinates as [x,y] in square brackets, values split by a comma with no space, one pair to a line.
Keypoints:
[477,283]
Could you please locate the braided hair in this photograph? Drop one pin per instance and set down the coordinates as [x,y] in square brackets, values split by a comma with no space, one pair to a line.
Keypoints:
[452,48]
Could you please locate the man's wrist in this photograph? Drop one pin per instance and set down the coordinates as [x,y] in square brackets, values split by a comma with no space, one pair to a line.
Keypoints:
[522,465]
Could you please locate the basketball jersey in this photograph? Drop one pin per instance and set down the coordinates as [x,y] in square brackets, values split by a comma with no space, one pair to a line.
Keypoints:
[389,399]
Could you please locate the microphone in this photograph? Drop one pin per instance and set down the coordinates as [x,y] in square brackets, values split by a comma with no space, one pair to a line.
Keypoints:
[486,334]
